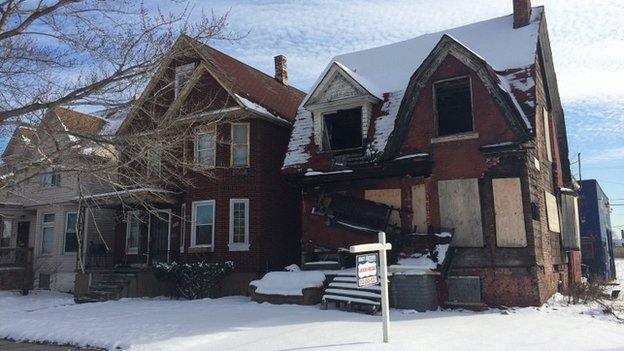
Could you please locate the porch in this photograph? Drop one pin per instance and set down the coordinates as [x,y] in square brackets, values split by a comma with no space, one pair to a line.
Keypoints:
[16,268]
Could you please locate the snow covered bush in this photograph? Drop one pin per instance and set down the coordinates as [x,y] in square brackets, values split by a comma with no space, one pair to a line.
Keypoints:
[193,280]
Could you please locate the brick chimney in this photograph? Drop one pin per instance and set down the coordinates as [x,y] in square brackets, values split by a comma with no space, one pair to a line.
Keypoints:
[522,13]
[281,69]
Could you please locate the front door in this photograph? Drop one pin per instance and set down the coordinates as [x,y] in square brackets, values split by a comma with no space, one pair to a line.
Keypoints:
[159,236]
[23,230]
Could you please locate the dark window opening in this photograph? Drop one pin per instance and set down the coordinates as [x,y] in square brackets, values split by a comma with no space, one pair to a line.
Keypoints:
[454,106]
[343,129]
[44,281]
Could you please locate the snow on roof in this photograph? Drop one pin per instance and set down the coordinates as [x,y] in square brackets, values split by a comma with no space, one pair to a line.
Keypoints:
[302,133]
[114,117]
[384,125]
[388,68]
[252,106]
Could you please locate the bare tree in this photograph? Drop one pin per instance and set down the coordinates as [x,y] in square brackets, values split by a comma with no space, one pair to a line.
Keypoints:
[76,53]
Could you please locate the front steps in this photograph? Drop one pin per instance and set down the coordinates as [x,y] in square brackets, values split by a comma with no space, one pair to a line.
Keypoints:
[344,292]
[107,286]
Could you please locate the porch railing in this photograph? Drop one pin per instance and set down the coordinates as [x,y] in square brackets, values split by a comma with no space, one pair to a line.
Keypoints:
[20,257]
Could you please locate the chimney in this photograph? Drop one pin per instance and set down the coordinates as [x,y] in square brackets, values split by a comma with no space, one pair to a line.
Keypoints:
[522,13]
[281,69]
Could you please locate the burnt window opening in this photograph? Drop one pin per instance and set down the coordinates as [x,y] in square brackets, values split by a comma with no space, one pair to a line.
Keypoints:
[343,129]
[453,106]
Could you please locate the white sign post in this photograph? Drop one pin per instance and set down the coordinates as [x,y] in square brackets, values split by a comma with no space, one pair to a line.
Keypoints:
[382,247]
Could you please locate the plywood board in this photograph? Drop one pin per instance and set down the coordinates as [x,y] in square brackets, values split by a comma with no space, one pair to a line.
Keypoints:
[419,207]
[460,209]
[390,197]
[570,222]
[552,212]
[509,213]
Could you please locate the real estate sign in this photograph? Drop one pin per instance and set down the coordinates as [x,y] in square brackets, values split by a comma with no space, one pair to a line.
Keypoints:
[367,270]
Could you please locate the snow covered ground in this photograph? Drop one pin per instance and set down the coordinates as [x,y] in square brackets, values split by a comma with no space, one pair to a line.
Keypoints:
[235,323]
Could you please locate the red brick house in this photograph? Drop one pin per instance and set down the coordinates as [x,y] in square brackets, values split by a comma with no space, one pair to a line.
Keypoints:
[461,131]
[241,209]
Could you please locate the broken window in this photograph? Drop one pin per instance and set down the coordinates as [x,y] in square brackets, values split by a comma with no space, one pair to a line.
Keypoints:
[182,75]
[343,129]
[453,106]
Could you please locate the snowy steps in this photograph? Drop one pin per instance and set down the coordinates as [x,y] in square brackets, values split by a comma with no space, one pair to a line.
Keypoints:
[345,294]
[106,287]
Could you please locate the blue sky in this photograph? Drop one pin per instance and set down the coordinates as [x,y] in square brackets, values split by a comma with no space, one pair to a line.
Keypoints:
[587,39]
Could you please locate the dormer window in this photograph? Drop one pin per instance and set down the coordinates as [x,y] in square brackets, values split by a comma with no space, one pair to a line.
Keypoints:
[343,129]
[453,104]
[182,75]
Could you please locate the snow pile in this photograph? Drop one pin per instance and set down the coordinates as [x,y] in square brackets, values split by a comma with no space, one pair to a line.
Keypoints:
[302,134]
[288,283]
[12,302]
[430,260]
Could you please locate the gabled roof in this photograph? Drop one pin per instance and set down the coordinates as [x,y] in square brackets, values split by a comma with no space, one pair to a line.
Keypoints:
[506,54]
[250,88]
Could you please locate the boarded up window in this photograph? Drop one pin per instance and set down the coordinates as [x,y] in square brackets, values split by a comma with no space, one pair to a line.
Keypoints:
[390,197]
[460,210]
[509,213]
[419,208]
[552,212]
[570,235]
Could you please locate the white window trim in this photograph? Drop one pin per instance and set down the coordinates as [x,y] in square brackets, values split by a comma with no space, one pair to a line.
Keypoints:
[51,173]
[239,246]
[183,69]
[193,221]
[132,250]
[182,226]
[196,149]
[547,135]
[47,225]
[65,232]
[232,145]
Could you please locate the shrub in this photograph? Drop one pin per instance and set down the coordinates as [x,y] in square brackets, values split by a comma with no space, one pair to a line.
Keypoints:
[585,292]
[193,280]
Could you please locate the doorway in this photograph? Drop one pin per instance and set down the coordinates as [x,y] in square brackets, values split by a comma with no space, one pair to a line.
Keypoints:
[23,232]
[159,236]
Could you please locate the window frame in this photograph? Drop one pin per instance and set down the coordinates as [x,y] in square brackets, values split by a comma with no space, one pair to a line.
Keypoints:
[187,68]
[196,148]
[55,179]
[182,226]
[45,225]
[233,246]
[233,145]
[194,206]
[325,136]
[436,117]
[132,250]
[65,232]
[4,236]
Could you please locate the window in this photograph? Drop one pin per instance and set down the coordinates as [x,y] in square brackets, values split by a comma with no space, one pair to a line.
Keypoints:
[133,229]
[552,212]
[460,211]
[205,146]
[47,235]
[154,158]
[44,281]
[51,179]
[454,106]
[7,228]
[547,134]
[509,212]
[202,233]
[239,225]
[71,227]
[182,75]
[343,129]
[240,144]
